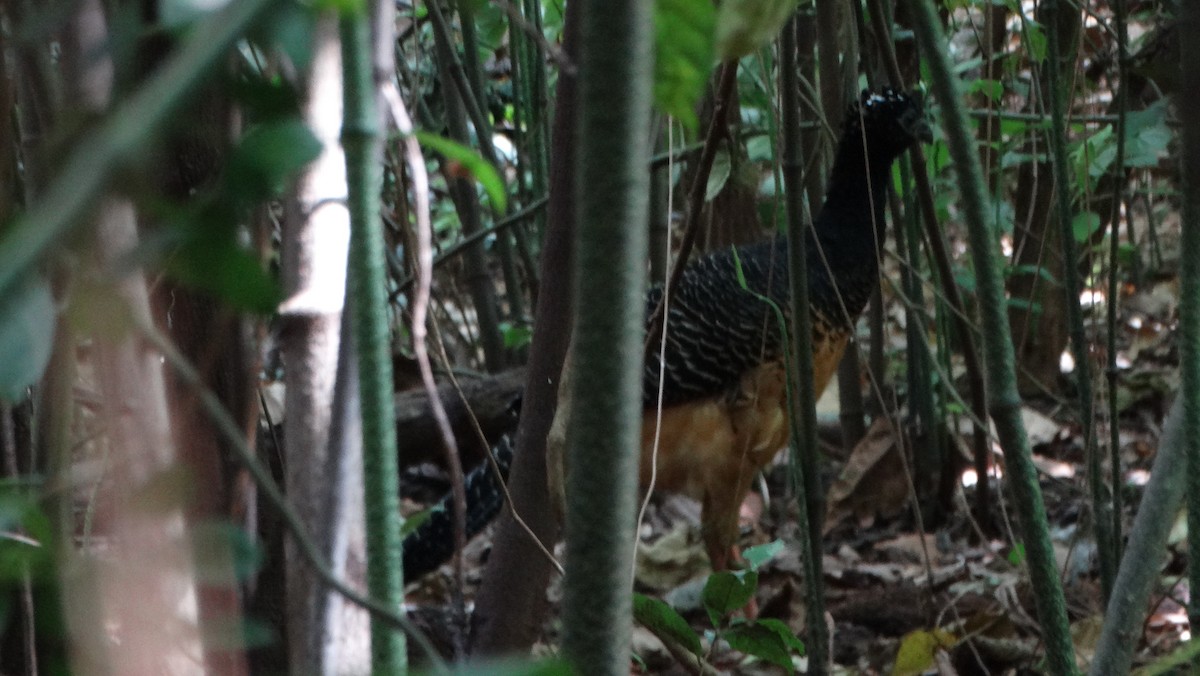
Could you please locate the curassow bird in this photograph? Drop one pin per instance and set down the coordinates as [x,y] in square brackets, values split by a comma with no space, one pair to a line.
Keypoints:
[724,409]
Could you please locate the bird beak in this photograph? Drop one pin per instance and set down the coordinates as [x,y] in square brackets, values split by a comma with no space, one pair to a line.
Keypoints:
[923,132]
[919,127]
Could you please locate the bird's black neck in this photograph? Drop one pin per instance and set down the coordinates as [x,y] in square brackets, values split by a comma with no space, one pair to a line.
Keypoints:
[851,222]
[857,192]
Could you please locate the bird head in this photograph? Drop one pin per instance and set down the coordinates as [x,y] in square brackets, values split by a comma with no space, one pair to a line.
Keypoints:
[889,120]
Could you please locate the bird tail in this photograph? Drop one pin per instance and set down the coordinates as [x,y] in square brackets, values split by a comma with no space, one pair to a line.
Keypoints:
[432,543]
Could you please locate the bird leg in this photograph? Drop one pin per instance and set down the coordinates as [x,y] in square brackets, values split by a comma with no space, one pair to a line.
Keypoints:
[719,529]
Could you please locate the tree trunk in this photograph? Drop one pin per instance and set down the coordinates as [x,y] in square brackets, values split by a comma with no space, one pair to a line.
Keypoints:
[511,605]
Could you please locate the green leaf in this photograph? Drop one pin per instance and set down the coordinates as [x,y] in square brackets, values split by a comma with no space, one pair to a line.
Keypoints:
[760,641]
[266,99]
[1084,225]
[414,521]
[491,24]
[26,539]
[26,335]
[683,56]
[1127,254]
[662,619]
[966,65]
[992,89]
[218,543]
[267,155]
[1034,270]
[470,160]
[1016,555]
[516,336]
[215,263]
[1024,305]
[745,25]
[1035,40]
[785,633]
[965,280]
[719,176]
[1147,136]
[757,555]
[726,592]
[290,30]
[1091,157]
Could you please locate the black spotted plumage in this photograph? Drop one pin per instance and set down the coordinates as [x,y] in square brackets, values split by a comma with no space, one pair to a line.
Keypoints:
[717,330]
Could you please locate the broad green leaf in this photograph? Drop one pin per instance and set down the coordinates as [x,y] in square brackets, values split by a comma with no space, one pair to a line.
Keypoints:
[992,89]
[760,149]
[26,335]
[784,632]
[1084,225]
[26,539]
[267,156]
[661,618]
[745,25]
[470,160]
[1035,40]
[266,99]
[490,25]
[757,555]
[1147,136]
[719,176]
[683,56]
[726,592]
[290,30]
[1148,148]
[760,641]
[552,20]
[218,265]
[1092,156]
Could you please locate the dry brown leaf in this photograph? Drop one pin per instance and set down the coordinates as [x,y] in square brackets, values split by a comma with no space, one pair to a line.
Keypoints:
[1040,428]
[670,560]
[872,483]
[909,548]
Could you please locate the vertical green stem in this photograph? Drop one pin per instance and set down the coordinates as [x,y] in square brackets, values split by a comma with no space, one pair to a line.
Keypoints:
[1114,265]
[1004,402]
[513,292]
[804,404]
[1189,300]
[1101,507]
[363,143]
[604,424]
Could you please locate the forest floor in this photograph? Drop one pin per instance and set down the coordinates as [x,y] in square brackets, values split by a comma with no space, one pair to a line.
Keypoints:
[936,592]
